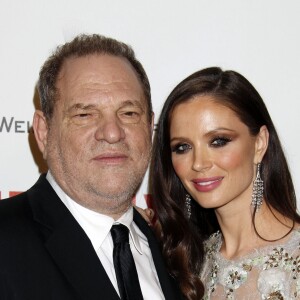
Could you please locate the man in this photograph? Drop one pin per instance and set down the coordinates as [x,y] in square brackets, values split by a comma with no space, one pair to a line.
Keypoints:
[94,131]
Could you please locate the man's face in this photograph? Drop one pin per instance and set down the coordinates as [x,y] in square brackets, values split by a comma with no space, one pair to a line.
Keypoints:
[98,142]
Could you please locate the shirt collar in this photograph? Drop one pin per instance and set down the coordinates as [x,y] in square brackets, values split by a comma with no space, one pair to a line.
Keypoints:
[96,226]
[127,220]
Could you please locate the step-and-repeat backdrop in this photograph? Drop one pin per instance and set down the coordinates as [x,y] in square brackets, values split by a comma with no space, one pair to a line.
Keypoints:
[260,39]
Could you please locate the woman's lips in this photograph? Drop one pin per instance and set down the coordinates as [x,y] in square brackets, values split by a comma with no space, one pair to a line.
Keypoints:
[207,184]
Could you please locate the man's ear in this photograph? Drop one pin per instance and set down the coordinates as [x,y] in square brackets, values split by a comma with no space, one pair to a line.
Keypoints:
[40,128]
[261,144]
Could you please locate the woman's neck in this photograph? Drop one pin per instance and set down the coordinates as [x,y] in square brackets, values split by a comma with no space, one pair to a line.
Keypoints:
[240,236]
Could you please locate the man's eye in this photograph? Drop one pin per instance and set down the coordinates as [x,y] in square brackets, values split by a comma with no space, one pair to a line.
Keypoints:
[82,115]
[181,148]
[83,118]
[220,142]
[129,116]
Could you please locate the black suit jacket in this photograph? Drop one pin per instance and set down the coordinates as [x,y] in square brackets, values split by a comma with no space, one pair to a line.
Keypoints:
[45,254]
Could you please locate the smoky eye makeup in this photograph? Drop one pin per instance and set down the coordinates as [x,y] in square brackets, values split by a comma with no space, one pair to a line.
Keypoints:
[180,148]
[220,141]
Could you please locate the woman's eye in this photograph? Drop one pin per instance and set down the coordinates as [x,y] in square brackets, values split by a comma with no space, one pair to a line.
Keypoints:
[220,142]
[181,148]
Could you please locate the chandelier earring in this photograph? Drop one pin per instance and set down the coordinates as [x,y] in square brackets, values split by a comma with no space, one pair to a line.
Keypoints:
[258,189]
[188,208]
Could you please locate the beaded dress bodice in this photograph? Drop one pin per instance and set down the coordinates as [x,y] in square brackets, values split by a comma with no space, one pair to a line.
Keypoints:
[271,272]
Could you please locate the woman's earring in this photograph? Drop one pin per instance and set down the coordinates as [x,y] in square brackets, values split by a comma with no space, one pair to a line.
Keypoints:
[188,208]
[258,189]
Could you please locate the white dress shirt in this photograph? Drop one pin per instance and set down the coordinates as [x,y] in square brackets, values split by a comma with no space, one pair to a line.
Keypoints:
[97,227]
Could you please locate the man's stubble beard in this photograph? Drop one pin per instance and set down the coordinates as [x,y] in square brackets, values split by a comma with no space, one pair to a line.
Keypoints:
[85,190]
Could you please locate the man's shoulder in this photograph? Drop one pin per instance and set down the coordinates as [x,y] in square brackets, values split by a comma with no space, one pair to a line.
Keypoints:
[14,208]
[19,202]
[13,212]
[13,204]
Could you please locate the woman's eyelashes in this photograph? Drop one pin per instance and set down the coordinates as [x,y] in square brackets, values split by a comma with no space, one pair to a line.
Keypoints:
[220,141]
[180,148]
[216,142]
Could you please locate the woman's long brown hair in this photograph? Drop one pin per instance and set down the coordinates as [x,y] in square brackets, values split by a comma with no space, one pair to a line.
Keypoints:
[182,238]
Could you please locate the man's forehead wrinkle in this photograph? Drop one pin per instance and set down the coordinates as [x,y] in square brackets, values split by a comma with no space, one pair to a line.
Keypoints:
[106,103]
[82,106]
[103,86]
[92,77]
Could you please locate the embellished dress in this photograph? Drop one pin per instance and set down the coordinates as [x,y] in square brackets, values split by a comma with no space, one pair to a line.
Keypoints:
[271,272]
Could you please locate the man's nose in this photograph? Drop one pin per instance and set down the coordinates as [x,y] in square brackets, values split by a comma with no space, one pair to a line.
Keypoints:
[110,129]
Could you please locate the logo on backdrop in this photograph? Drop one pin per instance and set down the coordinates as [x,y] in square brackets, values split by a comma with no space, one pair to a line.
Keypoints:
[8,194]
[12,125]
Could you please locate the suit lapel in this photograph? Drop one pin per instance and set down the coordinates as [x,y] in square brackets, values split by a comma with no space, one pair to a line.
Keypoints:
[68,245]
[168,284]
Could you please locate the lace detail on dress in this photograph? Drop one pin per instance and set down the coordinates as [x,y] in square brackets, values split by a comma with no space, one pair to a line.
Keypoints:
[268,273]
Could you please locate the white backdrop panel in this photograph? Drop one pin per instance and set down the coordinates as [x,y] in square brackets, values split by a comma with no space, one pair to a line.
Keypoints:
[259,39]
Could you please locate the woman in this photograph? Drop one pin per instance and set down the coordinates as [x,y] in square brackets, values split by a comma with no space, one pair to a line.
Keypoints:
[219,175]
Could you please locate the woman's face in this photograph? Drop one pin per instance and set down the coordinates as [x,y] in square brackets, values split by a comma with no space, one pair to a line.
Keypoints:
[213,153]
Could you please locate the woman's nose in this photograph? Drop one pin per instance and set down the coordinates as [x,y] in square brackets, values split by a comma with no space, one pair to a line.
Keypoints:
[201,159]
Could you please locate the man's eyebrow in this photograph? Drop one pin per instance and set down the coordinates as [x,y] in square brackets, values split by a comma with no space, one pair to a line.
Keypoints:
[132,103]
[83,106]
